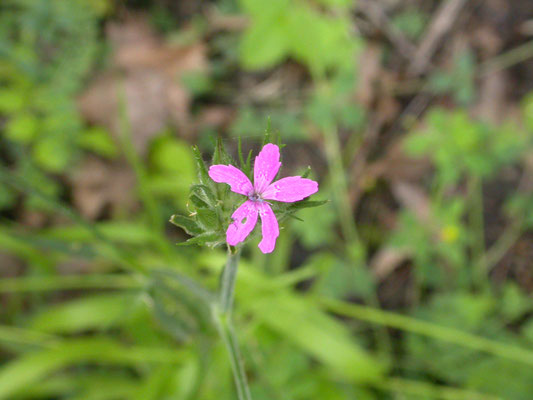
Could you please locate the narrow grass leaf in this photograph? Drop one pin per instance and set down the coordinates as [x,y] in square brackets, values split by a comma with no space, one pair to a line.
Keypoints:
[99,312]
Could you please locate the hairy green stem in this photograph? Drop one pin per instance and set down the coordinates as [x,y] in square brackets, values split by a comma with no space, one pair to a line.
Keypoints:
[222,312]
[226,331]
[227,282]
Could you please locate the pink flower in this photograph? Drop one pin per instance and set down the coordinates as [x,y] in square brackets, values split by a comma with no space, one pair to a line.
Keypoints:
[287,190]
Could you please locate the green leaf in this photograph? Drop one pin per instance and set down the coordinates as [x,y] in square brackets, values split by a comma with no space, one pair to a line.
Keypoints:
[99,312]
[99,141]
[28,369]
[7,197]
[318,334]
[171,323]
[210,239]
[306,172]
[249,162]
[207,219]
[264,44]
[97,385]
[221,156]
[514,303]
[192,286]
[204,194]
[245,165]
[179,308]
[307,204]
[52,153]
[155,384]
[189,225]
[170,154]
[197,202]
[11,101]
[197,82]
[22,128]
[341,280]
[264,10]
[527,111]
[336,3]
[203,174]
[267,137]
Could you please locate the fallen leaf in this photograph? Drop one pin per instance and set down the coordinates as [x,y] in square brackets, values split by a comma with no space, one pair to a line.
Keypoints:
[101,186]
[145,72]
[387,260]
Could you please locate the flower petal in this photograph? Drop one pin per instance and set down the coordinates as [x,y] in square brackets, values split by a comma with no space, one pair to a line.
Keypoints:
[290,189]
[269,228]
[238,181]
[244,220]
[266,166]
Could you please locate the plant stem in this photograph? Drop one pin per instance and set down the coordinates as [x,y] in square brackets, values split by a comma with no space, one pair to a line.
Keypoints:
[226,331]
[506,60]
[477,223]
[417,326]
[347,222]
[227,282]
[222,312]
[339,186]
[504,243]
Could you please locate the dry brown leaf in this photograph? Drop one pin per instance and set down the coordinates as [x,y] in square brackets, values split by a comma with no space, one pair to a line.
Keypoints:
[216,116]
[492,103]
[148,71]
[396,165]
[100,186]
[10,266]
[387,260]
[414,199]
[369,72]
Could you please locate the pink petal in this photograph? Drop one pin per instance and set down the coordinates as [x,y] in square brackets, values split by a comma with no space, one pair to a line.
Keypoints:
[269,228]
[238,181]
[266,166]
[244,220]
[292,188]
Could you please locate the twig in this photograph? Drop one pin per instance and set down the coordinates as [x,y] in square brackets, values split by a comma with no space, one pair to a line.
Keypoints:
[379,18]
[443,21]
[506,60]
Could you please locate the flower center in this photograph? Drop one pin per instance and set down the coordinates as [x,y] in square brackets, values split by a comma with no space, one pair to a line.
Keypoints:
[255,197]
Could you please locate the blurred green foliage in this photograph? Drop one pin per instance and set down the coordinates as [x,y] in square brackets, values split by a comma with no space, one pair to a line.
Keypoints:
[47,48]
[112,309]
[460,146]
[298,29]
